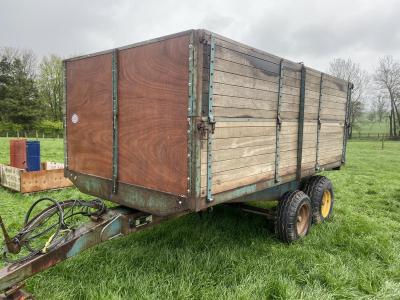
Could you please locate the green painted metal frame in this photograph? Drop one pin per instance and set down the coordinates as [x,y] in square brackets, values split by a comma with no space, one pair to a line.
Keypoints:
[346,122]
[273,193]
[65,114]
[115,120]
[191,109]
[115,222]
[211,120]
[300,131]
[278,122]
[140,198]
[319,124]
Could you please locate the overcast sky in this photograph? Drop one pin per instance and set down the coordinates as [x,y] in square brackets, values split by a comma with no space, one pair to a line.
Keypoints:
[311,31]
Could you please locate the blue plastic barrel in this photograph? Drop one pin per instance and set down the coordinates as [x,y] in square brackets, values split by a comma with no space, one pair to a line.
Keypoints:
[33,156]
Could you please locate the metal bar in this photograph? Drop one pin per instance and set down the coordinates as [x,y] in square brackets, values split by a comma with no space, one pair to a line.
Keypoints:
[65,114]
[115,120]
[114,223]
[191,99]
[199,50]
[143,199]
[211,121]
[278,122]
[317,166]
[268,213]
[274,192]
[300,130]
[346,122]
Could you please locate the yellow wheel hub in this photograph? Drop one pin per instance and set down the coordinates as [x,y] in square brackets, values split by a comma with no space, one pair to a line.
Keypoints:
[326,203]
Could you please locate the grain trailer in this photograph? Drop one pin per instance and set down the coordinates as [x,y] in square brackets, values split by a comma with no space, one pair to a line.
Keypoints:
[188,121]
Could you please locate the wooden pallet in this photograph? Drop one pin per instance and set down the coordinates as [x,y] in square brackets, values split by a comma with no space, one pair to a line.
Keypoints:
[27,182]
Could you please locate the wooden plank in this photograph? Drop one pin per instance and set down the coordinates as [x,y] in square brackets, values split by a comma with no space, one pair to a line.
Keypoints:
[254,83]
[222,63]
[43,180]
[233,112]
[251,93]
[89,115]
[311,72]
[153,109]
[254,55]
[10,177]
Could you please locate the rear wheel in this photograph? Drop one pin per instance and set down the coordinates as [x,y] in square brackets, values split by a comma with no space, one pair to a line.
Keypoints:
[293,216]
[320,191]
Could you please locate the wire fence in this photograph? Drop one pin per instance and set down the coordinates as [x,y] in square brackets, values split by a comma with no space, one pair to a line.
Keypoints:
[373,136]
[33,134]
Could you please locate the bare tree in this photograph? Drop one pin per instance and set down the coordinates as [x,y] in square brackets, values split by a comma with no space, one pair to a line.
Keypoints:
[26,56]
[380,106]
[50,83]
[387,77]
[351,71]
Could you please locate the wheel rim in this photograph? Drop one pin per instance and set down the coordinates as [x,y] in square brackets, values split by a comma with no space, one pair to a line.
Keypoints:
[303,218]
[326,203]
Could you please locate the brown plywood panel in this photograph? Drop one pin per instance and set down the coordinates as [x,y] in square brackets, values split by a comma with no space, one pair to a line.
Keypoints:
[153,109]
[89,115]
[43,180]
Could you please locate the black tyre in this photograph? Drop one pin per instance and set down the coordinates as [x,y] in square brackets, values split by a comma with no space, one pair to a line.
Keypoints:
[320,191]
[293,219]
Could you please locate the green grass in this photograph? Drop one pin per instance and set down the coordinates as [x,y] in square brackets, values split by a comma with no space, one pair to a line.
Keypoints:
[232,255]
[365,127]
[51,150]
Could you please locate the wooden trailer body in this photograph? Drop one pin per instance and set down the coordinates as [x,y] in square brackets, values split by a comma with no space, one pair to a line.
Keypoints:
[194,119]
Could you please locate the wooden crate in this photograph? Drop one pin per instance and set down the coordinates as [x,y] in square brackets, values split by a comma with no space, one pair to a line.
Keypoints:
[28,182]
[138,122]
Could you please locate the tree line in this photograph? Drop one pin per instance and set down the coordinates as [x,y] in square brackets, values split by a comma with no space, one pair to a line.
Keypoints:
[381,89]
[31,92]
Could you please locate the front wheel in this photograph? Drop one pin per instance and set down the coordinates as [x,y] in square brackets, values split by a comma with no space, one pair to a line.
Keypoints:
[293,219]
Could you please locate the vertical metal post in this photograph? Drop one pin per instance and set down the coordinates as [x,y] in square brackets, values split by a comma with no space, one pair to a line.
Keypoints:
[319,124]
[346,121]
[191,100]
[300,130]
[278,122]
[65,114]
[115,120]
[211,121]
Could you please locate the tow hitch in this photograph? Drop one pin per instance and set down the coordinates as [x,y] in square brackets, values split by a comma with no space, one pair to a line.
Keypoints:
[52,235]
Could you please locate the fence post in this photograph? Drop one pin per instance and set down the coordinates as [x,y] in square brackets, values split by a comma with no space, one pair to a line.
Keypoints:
[18,133]
[43,134]
[7,134]
[383,139]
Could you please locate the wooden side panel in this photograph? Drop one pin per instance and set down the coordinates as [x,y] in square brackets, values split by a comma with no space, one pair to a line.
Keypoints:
[332,116]
[28,182]
[245,99]
[43,180]
[89,115]
[153,110]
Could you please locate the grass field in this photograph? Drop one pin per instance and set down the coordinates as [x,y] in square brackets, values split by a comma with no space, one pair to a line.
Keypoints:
[231,255]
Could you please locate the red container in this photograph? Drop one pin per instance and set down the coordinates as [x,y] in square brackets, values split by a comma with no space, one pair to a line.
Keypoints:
[18,153]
